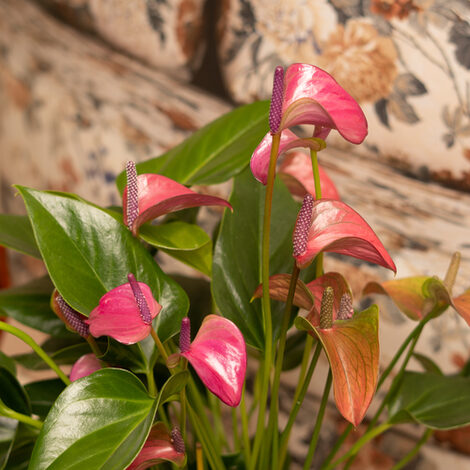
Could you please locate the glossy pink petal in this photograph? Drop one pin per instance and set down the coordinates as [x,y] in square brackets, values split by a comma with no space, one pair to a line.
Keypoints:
[118,315]
[159,447]
[159,195]
[296,172]
[337,228]
[85,366]
[218,355]
[312,96]
[259,162]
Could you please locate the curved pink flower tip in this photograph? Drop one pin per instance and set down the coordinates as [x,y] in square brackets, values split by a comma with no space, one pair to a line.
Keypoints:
[259,162]
[218,355]
[85,366]
[313,96]
[159,195]
[337,228]
[296,172]
[118,314]
[159,447]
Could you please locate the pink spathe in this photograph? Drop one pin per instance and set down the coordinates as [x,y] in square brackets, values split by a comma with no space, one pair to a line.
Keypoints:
[338,228]
[118,315]
[218,355]
[85,366]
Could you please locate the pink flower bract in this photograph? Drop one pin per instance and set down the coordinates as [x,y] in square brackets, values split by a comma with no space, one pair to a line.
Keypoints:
[118,315]
[337,228]
[159,195]
[218,355]
[85,366]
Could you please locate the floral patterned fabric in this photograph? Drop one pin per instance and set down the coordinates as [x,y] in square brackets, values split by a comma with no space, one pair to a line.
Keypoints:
[406,62]
[163,33]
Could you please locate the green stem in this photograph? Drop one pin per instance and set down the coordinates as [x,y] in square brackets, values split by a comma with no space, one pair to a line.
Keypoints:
[368,436]
[36,348]
[412,454]
[321,413]
[298,402]
[266,301]
[236,437]
[245,435]
[151,383]
[159,344]
[94,346]
[274,409]
[9,413]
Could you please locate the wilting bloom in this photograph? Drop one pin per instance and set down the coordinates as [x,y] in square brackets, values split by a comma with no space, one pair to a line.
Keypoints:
[296,172]
[337,228]
[160,446]
[148,196]
[352,346]
[84,366]
[218,355]
[125,313]
[311,96]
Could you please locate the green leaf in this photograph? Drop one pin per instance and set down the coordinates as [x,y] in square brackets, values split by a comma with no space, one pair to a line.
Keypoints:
[438,402]
[172,387]
[7,363]
[16,233]
[87,253]
[427,364]
[12,394]
[215,153]
[43,394]
[185,242]
[352,347]
[76,436]
[30,305]
[235,270]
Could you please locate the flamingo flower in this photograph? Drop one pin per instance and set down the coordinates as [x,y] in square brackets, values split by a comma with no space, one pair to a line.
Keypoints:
[148,196]
[160,446]
[125,313]
[308,95]
[85,366]
[218,355]
[296,172]
[332,226]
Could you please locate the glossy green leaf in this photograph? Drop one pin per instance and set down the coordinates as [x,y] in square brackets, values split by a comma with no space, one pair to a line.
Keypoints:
[126,356]
[236,267]
[352,347]
[172,387]
[99,421]
[215,153]
[185,242]
[30,305]
[16,233]
[12,393]
[8,429]
[43,394]
[7,363]
[438,402]
[87,253]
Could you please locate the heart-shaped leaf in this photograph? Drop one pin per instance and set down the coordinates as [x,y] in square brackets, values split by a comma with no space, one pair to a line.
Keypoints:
[218,355]
[43,394]
[235,270]
[437,401]
[186,242]
[30,305]
[214,153]
[75,435]
[87,253]
[352,347]
[16,233]
[12,393]
[172,386]
[337,228]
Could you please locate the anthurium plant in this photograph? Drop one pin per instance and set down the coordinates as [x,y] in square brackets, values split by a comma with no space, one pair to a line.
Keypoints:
[148,374]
